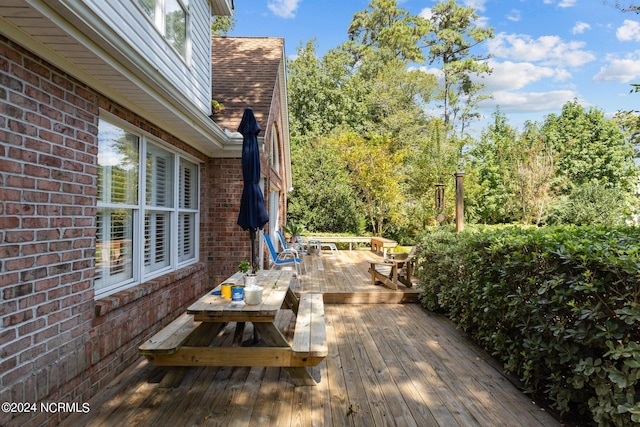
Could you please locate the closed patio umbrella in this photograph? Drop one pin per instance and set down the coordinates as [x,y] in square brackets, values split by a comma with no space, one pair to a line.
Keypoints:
[253,213]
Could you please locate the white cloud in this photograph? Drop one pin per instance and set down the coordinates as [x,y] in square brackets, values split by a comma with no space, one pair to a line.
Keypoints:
[509,75]
[630,31]
[623,70]
[515,15]
[548,50]
[284,8]
[529,102]
[567,3]
[426,13]
[476,4]
[580,27]
[562,3]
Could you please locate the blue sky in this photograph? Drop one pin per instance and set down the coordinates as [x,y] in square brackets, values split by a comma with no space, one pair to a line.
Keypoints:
[545,53]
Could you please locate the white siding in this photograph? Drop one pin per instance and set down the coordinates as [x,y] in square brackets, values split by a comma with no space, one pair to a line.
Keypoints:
[191,78]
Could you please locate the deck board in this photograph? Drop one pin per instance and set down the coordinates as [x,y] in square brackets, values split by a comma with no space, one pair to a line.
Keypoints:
[388,364]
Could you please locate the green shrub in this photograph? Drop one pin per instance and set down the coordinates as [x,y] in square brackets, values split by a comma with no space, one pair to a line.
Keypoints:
[559,306]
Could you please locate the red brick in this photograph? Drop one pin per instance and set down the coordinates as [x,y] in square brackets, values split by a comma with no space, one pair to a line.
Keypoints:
[35,222]
[49,136]
[20,182]
[19,317]
[19,264]
[40,145]
[38,120]
[10,166]
[38,68]
[19,236]
[23,128]
[8,222]
[37,171]
[48,259]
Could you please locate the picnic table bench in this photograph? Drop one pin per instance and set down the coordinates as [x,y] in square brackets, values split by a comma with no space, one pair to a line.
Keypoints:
[185,341]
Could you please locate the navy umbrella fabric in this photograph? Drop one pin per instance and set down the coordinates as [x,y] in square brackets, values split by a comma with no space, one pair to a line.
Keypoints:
[253,213]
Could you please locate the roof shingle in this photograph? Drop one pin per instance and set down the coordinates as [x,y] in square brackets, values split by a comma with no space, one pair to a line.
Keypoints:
[244,75]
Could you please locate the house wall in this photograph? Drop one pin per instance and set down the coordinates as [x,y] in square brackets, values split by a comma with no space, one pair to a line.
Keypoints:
[57,343]
[123,23]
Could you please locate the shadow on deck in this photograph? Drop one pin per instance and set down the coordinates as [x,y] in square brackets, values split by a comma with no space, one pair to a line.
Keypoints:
[388,364]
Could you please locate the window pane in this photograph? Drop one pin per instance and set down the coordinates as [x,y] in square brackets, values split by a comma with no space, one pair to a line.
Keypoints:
[175,25]
[114,247]
[149,7]
[159,185]
[188,185]
[186,236]
[118,160]
[156,240]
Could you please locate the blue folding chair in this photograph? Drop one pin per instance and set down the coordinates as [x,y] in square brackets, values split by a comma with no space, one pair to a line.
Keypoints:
[283,257]
[287,248]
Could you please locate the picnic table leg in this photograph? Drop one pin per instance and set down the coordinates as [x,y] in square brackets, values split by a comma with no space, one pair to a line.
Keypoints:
[292,301]
[201,337]
[274,338]
[237,335]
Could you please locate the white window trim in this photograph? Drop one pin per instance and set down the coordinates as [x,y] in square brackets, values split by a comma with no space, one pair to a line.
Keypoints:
[139,210]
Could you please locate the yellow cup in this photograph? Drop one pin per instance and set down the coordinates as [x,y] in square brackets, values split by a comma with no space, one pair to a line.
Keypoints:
[225,290]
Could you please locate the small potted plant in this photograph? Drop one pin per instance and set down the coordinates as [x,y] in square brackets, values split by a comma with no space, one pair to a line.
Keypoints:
[294,231]
[244,267]
[249,276]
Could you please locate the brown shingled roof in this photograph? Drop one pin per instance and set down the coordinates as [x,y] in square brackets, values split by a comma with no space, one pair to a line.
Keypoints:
[244,75]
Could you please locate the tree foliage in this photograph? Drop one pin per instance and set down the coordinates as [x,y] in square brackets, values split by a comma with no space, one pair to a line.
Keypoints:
[364,106]
[454,34]
[577,167]
[322,198]
[221,25]
[376,173]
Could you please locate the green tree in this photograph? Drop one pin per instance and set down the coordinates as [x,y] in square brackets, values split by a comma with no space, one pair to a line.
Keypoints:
[322,197]
[452,40]
[595,166]
[376,173]
[389,31]
[321,93]
[534,170]
[493,159]
[221,25]
[589,149]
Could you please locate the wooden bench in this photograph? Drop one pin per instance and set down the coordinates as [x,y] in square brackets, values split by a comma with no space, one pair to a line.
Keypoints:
[380,245]
[171,338]
[310,335]
[182,331]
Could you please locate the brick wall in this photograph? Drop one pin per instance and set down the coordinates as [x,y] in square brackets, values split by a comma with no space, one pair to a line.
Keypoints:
[232,244]
[58,344]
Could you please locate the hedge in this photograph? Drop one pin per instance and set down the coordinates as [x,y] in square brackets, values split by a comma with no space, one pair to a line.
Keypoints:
[558,306]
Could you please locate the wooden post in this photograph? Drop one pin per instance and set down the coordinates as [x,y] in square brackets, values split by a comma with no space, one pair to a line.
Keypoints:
[459,201]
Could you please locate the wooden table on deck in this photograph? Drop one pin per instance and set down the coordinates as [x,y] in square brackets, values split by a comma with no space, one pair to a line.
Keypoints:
[380,244]
[309,342]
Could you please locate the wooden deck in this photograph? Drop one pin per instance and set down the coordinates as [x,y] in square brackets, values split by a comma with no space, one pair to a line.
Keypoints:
[388,365]
[344,278]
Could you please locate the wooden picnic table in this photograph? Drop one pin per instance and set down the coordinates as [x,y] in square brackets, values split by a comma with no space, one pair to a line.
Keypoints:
[381,244]
[174,345]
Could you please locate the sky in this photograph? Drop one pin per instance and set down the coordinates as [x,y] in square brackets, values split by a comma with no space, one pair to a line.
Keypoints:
[544,54]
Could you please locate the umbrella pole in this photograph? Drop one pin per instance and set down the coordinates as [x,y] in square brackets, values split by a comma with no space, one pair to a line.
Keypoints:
[252,236]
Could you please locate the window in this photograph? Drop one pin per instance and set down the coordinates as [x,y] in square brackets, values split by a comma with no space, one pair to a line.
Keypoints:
[147,219]
[171,18]
[274,153]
